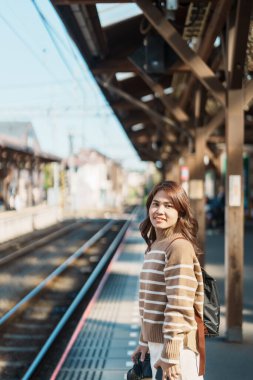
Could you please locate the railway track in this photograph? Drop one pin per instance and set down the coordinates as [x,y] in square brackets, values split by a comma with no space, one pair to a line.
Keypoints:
[15,248]
[30,327]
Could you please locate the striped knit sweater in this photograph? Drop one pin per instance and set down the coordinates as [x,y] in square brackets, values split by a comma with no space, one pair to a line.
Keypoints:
[171,287]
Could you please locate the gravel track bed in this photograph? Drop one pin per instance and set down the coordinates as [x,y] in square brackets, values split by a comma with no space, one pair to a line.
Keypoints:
[21,276]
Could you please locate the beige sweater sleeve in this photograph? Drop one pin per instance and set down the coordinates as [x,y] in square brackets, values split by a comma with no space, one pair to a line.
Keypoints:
[142,342]
[181,285]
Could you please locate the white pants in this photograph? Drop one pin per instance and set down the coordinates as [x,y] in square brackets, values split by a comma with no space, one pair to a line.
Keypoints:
[189,362]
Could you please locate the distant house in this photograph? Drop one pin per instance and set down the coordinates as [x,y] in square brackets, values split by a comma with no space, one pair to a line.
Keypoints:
[96,182]
[21,166]
[20,134]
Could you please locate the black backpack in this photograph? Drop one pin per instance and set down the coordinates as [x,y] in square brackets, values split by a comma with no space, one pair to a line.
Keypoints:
[211,313]
[211,305]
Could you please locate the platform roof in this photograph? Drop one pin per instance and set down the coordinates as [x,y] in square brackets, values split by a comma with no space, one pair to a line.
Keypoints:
[18,140]
[164,70]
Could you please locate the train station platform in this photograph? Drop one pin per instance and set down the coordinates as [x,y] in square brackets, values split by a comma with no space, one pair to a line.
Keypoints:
[104,339]
[110,331]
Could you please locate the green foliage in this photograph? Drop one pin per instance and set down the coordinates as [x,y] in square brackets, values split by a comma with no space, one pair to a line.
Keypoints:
[48,176]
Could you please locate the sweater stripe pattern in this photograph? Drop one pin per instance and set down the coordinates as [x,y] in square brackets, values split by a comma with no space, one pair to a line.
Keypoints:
[171,288]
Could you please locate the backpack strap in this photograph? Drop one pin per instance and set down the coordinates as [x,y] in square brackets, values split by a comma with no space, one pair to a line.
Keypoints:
[179,237]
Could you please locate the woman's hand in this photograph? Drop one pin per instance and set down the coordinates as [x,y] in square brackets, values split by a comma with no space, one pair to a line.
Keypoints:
[171,371]
[140,349]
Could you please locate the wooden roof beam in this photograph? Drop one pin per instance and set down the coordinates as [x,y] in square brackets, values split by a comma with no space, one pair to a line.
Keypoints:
[113,65]
[121,105]
[89,24]
[215,25]
[236,77]
[147,152]
[121,65]
[134,86]
[147,131]
[198,67]
[158,90]
[152,129]
[214,123]
[133,118]
[82,23]
[242,22]
[218,119]
[124,34]
[137,103]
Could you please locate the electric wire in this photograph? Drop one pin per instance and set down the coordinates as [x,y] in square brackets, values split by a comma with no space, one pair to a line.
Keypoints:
[43,19]
[70,48]
[30,49]
[38,84]
[106,105]
[24,42]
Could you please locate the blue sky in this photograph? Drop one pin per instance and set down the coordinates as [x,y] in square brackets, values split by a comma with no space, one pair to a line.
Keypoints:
[55,91]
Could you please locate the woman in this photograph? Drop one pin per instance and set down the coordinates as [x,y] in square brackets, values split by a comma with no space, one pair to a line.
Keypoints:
[171,285]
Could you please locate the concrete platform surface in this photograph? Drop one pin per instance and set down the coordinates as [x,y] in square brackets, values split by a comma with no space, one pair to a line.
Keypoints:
[231,361]
[103,348]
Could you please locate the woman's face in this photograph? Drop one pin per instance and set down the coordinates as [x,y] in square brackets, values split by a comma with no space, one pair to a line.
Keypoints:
[161,212]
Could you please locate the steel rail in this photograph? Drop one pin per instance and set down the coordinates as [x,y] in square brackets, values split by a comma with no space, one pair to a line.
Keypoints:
[55,273]
[92,278]
[39,242]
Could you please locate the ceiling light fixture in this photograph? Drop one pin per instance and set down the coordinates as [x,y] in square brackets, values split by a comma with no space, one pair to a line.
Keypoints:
[147,98]
[137,127]
[168,90]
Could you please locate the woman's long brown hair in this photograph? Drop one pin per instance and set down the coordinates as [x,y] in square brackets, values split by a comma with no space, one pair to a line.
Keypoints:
[186,224]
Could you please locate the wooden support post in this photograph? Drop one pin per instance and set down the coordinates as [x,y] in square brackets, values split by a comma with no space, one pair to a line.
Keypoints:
[197,173]
[237,44]
[196,186]
[234,215]
[173,174]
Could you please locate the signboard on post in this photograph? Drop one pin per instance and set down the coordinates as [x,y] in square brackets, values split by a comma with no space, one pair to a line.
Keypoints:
[184,173]
[234,191]
[196,189]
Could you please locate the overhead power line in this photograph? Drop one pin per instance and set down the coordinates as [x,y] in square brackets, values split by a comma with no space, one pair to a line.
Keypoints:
[50,29]
[24,42]
[38,84]
[44,21]
[30,49]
